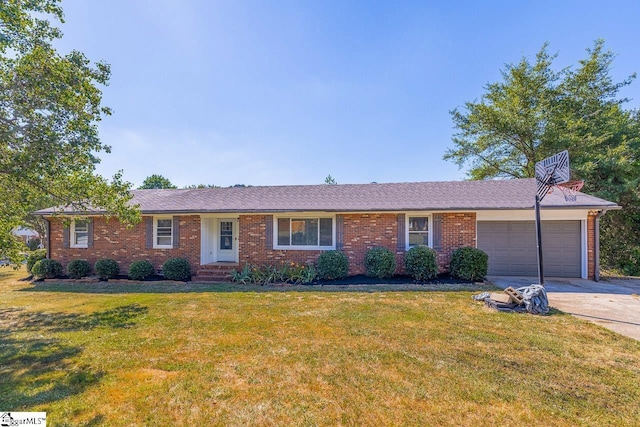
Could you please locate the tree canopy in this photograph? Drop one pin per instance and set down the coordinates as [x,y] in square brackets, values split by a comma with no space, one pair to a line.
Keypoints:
[50,106]
[156,181]
[536,111]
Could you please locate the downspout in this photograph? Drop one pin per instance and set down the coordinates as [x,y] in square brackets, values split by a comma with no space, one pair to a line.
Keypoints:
[596,249]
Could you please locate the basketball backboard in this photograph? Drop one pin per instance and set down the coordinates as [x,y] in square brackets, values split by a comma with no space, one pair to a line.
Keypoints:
[552,171]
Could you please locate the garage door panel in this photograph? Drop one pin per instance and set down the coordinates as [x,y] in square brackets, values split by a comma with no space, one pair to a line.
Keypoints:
[511,246]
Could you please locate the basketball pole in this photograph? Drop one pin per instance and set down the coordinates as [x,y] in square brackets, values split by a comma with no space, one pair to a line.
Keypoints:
[539,242]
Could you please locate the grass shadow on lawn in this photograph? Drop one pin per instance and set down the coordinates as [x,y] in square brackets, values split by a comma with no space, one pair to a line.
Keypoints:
[37,367]
[190,287]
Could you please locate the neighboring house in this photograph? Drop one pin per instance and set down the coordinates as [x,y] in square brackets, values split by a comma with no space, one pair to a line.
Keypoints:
[25,234]
[222,228]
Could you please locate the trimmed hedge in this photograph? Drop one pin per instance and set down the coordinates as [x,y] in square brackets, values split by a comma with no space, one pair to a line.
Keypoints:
[380,263]
[46,269]
[34,257]
[107,268]
[177,269]
[140,270]
[469,263]
[420,263]
[333,265]
[78,268]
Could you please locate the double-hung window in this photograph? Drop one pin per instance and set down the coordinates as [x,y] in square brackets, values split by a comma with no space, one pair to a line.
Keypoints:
[163,233]
[304,233]
[80,234]
[418,231]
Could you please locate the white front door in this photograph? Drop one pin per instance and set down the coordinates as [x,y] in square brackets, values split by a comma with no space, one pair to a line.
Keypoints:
[226,240]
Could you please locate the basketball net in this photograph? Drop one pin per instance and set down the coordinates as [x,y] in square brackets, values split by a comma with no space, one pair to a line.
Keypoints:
[569,189]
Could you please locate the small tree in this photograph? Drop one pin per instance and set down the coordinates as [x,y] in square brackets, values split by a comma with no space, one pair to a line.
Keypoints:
[329,180]
[156,181]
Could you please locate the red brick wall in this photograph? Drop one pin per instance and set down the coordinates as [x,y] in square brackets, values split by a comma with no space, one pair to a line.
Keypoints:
[591,244]
[252,245]
[361,232]
[113,240]
[458,230]
[365,231]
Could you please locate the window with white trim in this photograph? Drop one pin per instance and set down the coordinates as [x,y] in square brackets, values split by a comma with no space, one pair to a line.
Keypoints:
[79,234]
[304,233]
[418,231]
[163,233]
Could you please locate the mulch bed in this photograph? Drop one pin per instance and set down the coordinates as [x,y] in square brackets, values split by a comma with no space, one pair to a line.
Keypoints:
[442,279]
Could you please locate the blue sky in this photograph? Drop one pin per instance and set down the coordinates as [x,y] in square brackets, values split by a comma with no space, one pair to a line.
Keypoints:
[287,92]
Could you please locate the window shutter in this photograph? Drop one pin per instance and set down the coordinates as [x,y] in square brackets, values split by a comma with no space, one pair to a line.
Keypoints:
[89,232]
[268,227]
[402,242]
[176,232]
[437,232]
[149,232]
[66,236]
[339,232]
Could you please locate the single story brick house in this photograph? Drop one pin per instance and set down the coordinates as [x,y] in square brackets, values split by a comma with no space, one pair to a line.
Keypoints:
[218,229]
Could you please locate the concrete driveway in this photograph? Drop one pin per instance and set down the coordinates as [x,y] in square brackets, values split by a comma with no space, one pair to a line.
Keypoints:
[614,304]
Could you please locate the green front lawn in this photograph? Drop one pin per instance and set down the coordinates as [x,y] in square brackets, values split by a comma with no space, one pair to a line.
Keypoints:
[210,356]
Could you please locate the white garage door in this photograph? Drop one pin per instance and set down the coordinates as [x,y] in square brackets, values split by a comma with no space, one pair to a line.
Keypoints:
[511,246]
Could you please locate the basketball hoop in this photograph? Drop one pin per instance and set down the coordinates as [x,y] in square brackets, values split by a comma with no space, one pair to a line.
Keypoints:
[570,189]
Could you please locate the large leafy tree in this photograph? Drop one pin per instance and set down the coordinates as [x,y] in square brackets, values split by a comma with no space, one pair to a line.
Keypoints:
[536,111]
[156,181]
[50,105]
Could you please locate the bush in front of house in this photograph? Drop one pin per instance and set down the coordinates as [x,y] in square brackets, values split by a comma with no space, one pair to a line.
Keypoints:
[380,263]
[176,269]
[333,265]
[46,269]
[469,263]
[107,268]
[78,268]
[141,270]
[420,263]
[34,257]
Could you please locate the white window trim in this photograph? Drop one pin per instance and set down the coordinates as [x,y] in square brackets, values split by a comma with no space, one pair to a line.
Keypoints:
[155,232]
[72,235]
[304,248]
[429,217]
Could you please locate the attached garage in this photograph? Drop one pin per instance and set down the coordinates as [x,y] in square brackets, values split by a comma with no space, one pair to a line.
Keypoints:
[511,246]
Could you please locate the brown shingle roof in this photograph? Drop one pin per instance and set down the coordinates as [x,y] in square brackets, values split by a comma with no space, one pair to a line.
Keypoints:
[437,196]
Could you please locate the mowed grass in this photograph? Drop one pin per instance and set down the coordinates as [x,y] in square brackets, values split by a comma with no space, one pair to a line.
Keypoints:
[92,355]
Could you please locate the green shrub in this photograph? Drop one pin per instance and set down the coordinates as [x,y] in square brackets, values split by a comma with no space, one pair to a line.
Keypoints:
[177,269]
[34,257]
[46,269]
[420,263]
[140,270]
[380,263]
[78,268]
[469,263]
[333,265]
[107,268]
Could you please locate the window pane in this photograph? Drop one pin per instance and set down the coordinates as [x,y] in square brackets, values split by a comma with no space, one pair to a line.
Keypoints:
[81,239]
[418,239]
[418,223]
[165,223]
[81,226]
[283,232]
[164,232]
[326,232]
[164,241]
[304,232]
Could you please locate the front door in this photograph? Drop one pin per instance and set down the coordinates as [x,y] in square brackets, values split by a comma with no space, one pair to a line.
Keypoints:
[226,240]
